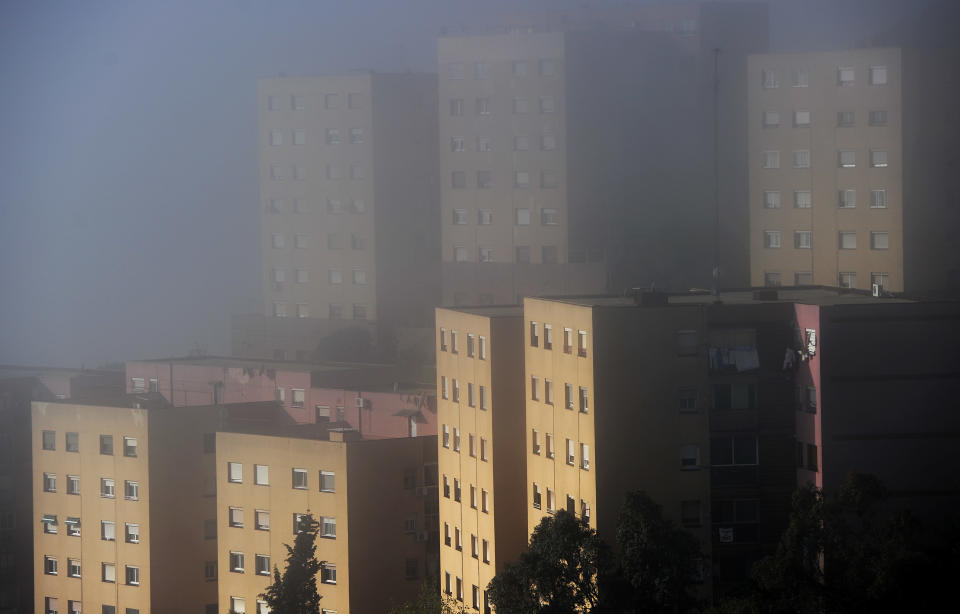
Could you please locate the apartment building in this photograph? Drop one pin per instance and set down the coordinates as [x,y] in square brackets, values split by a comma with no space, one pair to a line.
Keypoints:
[614,402]
[376,400]
[724,405]
[561,174]
[480,448]
[91,498]
[826,169]
[375,502]
[347,197]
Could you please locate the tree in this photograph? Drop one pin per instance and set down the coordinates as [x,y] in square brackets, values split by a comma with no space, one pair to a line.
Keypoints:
[295,592]
[429,601]
[565,569]
[659,561]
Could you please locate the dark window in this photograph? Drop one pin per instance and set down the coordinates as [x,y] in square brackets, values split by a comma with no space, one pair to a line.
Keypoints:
[73,442]
[49,440]
[106,447]
[209,443]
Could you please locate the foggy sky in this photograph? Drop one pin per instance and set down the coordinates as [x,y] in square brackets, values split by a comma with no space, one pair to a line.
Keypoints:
[128,159]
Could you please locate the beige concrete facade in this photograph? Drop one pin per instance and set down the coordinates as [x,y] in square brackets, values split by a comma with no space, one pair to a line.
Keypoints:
[606,414]
[826,169]
[480,448]
[92,498]
[368,497]
[346,187]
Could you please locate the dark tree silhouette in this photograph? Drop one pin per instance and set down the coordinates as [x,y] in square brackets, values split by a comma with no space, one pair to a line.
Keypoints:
[295,592]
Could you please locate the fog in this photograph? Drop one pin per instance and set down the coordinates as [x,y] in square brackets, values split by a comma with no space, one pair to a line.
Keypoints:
[128,167]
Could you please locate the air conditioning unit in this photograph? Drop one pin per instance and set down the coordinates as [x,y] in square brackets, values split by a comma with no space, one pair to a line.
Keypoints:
[361,403]
[876,289]
[423,536]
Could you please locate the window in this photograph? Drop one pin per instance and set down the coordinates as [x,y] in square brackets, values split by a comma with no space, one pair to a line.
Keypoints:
[848,239]
[690,514]
[328,527]
[459,589]
[130,447]
[73,485]
[568,396]
[276,173]
[73,568]
[535,441]
[549,441]
[49,482]
[548,68]
[49,438]
[333,136]
[770,159]
[771,239]
[356,135]
[584,456]
[359,277]
[802,199]
[131,533]
[547,104]
[519,69]
[484,506]
[802,239]
[458,180]
[354,101]
[771,279]
[879,240]
[334,206]
[446,582]
[486,551]
[521,143]
[106,444]
[470,395]
[687,342]
[549,254]
[584,400]
[582,343]
[457,144]
[261,473]
[846,119]
[473,496]
[878,75]
[108,530]
[846,76]
[108,572]
[687,399]
[210,570]
[261,520]
[733,450]
[483,448]
[335,276]
[534,335]
[801,119]
[238,605]
[485,254]
[534,384]
[456,436]
[847,199]
[131,490]
[476,597]
[485,217]
[803,278]
[689,457]
[878,158]
[210,529]
[549,217]
[771,119]
[455,70]
[880,279]
[571,456]
[548,180]
[536,497]
[550,502]
[801,77]
[456,399]
[133,575]
[738,395]
[801,158]
[299,478]
[356,171]
[548,391]
[236,517]
[481,70]
[847,279]
[334,311]
[483,106]
[456,107]
[276,138]
[521,179]
[769,79]
[299,137]
[234,472]
[50,565]
[771,199]
[847,158]
[280,310]
[878,118]
[73,440]
[334,171]
[107,488]
[548,142]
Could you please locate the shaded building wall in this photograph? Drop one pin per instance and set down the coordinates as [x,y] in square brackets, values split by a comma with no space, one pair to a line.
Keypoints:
[391,522]
[888,395]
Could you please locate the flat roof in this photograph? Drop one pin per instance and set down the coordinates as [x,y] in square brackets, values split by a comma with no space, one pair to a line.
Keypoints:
[267,363]
[489,311]
[813,295]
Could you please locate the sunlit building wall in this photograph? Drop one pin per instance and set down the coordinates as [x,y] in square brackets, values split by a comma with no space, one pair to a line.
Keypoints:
[826,169]
[482,520]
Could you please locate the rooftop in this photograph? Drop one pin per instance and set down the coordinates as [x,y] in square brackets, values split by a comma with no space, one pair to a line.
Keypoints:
[488,311]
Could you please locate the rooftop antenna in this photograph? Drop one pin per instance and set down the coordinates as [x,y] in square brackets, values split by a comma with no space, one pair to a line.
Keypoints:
[716,172]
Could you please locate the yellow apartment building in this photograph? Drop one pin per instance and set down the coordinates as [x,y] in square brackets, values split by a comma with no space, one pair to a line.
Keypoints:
[480,448]
[608,411]
[91,496]
[826,170]
[374,501]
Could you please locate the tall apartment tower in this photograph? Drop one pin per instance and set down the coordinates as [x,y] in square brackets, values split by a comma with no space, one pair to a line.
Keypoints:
[480,448]
[576,151]
[826,178]
[348,199]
